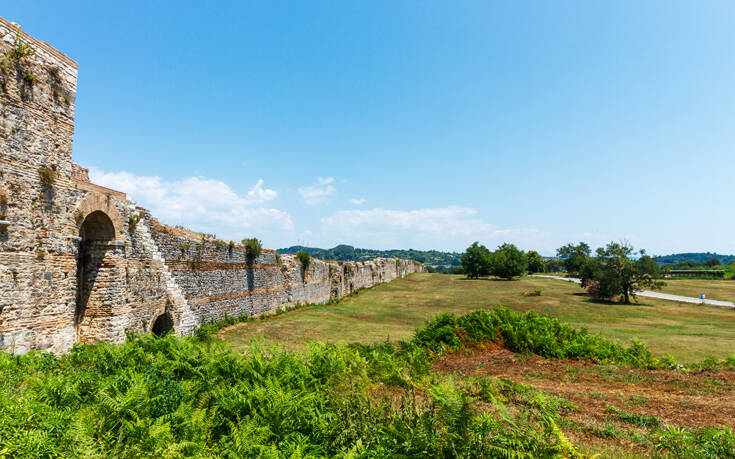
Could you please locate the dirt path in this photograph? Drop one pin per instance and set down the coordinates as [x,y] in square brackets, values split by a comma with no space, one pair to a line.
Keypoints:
[659,295]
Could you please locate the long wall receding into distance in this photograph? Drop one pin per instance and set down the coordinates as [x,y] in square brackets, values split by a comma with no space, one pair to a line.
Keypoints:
[80,263]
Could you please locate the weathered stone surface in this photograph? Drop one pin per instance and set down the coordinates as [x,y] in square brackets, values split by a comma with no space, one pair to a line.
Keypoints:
[76,265]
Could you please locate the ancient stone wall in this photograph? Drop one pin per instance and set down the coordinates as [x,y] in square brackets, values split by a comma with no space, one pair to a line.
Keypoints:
[218,280]
[80,263]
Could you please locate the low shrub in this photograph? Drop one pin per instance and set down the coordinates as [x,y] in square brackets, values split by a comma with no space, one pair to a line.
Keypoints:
[528,333]
[181,397]
[305,260]
[253,249]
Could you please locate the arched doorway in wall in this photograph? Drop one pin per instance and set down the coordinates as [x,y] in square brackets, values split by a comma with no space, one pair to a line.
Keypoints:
[96,232]
[163,324]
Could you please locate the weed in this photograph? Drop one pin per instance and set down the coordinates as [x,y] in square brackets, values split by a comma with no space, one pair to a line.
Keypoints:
[12,57]
[79,218]
[55,74]
[534,292]
[133,220]
[47,175]
[636,419]
[29,77]
[706,442]
[637,399]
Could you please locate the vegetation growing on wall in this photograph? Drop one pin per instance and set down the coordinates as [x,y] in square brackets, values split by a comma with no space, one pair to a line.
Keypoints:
[133,220]
[253,249]
[47,175]
[305,260]
[15,55]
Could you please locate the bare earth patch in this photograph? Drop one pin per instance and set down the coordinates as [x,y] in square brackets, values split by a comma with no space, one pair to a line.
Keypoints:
[663,397]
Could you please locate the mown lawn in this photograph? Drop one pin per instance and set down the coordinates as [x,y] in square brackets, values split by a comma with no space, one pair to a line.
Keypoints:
[392,311]
[723,290]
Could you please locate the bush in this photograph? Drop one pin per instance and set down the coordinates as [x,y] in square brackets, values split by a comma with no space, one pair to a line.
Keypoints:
[528,333]
[305,260]
[253,249]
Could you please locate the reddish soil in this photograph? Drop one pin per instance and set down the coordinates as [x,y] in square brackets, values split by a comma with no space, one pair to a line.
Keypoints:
[691,399]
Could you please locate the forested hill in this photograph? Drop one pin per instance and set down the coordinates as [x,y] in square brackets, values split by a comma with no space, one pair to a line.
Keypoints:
[349,253]
[699,257]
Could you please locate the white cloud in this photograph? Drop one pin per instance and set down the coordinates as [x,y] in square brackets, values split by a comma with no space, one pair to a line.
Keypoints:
[200,203]
[441,227]
[318,192]
[357,201]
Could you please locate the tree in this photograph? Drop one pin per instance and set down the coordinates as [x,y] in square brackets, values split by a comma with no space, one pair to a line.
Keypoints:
[573,256]
[614,272]
[712,262]
[476,261]
[508,262]
[536,264]
[554,265]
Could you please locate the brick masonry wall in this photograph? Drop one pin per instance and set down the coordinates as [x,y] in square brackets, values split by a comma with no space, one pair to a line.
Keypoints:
[74,264]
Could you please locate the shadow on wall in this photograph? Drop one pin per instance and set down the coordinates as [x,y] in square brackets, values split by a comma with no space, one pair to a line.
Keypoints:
[163,324]
[96,232]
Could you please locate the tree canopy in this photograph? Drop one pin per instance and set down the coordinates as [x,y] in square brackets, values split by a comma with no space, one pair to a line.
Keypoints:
[574,257]
[476,261]
[613,272]
[536,263]
[508,262]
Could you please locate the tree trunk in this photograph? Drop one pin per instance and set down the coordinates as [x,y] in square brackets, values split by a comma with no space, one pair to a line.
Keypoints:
[627,296]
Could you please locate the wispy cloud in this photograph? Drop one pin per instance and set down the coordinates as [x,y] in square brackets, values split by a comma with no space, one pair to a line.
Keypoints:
[200,203]
[318,192]
[439,227]
[357,201]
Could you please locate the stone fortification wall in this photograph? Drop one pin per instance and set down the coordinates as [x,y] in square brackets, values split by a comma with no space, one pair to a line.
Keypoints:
[218,281]
[80,263]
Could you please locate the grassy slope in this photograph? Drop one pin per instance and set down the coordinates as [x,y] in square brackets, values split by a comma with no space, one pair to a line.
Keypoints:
[394,310]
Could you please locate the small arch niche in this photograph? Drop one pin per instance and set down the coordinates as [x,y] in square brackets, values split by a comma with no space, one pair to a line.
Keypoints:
[163,325]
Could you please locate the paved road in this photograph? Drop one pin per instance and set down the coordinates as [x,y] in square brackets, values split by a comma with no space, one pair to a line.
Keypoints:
[662,296]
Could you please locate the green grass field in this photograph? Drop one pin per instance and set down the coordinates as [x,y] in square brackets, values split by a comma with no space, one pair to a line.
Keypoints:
[392,311]
[723,290]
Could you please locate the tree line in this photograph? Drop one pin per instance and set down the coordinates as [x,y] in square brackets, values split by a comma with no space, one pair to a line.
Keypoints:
[614,271]
[507,262]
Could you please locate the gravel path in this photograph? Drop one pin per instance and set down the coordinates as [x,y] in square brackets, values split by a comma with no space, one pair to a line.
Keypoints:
[662,296]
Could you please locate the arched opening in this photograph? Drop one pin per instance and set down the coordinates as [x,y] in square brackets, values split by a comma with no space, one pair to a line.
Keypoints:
[163,324]
[97,227]
[96,232]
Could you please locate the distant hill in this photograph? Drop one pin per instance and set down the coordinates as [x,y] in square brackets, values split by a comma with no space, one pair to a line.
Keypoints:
[349,253]
[699,257]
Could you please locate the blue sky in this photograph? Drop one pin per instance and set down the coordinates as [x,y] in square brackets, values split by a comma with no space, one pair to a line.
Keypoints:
[410,124]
